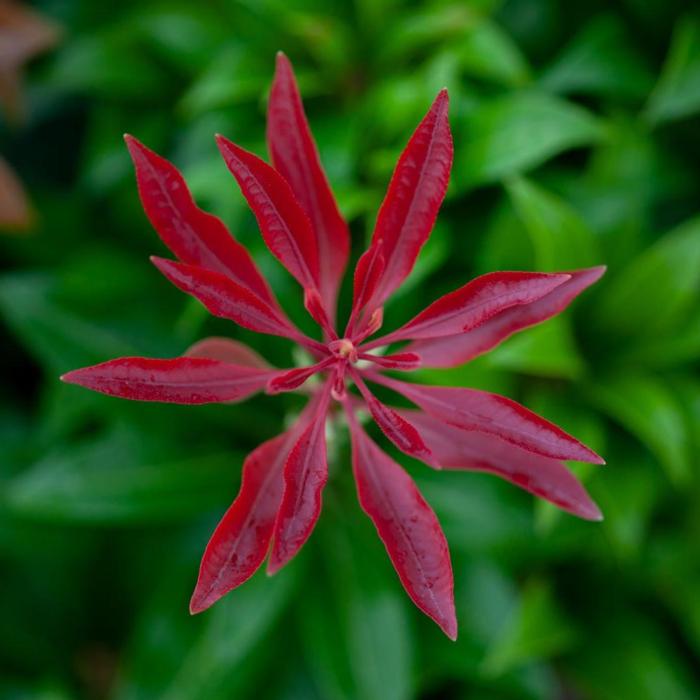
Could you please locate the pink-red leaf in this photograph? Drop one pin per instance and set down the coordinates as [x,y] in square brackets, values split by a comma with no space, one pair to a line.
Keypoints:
[283,223]
[471,409]
[294,378]
[305,475]
[548,478]
[295,156]
[225,298]
[242,538]
[413,199]
[397,429]
[193,235]
[476,302]
[186,380]
[408,528]
[404,361]
[454,350]
[228,350]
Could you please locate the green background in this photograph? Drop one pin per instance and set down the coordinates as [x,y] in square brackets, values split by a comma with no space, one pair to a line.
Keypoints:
[577,142]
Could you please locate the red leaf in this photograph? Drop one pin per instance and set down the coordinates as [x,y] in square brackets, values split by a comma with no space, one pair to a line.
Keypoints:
[295,156]
[476,302]
[368,273]
[458,349]
[413,199]
[471,409]
[242,538]
[228,350]
[294,378]
[225,298]
[193,235]
[314,305]
[404,361]
[544,477]
[408,528]
[187,380]
[397,429]
[305,475]
[283,223]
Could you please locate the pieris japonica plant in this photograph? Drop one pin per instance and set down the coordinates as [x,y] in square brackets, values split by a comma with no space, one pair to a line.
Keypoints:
[450,427]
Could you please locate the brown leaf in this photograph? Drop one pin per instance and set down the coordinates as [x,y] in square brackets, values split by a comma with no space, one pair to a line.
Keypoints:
[24,34]
[15,212]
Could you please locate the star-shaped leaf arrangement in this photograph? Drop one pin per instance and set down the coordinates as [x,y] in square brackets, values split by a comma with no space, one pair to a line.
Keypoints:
[450,427]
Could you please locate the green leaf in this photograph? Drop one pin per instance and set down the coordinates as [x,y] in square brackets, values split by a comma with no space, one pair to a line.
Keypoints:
[234,75]
[647,407]
[356,635]
[560,237]
[518,132]
[223,657]
[600,61]
[677,94]
[547,350]
[537,630]
[487,52]
[60,340]
[645,665]
[654,294]
[228,654]
[112,480]
[425,27]
[107,64]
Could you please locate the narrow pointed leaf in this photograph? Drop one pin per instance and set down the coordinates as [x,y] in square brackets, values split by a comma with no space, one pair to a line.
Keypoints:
[186,380]
[408,528]
[224,298]
[242,537]
[453,350]
[397,429]
[294,378]
[314,305]
[404,361]
[475,303]
[471,409]
[227,350]
[368,274]
[305,475]
[283,223]
[460,449]
[193,235]
[295,157]
[413,199]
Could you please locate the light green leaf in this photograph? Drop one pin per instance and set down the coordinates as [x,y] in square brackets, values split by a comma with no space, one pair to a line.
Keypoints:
[112,480]
[547,350]
[538,630]
[487,52]
[560,237]
[657,290]
[60,340]
[234,75]
[356,635]
[677,94]
[647,407]
[227,653]
[600,61]
[518,132]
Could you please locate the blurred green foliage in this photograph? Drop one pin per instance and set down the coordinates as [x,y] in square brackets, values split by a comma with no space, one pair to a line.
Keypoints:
[577,136]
